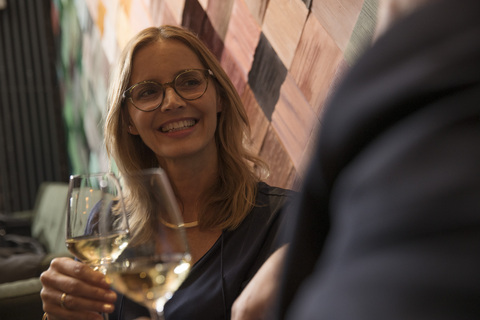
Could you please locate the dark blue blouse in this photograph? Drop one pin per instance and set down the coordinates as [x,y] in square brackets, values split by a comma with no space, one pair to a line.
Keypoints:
[216,280]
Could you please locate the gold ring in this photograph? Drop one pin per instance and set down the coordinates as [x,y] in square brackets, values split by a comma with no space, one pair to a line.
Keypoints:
[62,300]
[44,316]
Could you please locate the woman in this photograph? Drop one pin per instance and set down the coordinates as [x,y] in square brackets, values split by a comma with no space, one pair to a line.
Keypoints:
[171,105]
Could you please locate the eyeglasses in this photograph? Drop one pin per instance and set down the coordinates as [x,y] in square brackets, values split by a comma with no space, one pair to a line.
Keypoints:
[148,95]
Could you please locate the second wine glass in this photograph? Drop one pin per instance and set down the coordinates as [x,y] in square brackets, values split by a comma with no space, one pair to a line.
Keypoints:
[157,259]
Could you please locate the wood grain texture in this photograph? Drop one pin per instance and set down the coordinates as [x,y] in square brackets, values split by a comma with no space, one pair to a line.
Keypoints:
[315,63]
[193,16]
[294,120]
[157,11]
[233,69]
[283,25]
[204,4]
[266,76]
[282,171]
[363,31]
[197,20]
[257,9]
[211,39]
[308,3]
[258,121]
[176,8]
[162,14]
[242,36]
[338,17]
[139,18]
[219,13]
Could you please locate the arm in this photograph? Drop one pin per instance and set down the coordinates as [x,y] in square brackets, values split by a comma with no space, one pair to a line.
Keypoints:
[87,292]
[259,294]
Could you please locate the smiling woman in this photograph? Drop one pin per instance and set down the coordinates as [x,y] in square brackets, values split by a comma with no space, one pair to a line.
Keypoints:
[172,62]
[172,105]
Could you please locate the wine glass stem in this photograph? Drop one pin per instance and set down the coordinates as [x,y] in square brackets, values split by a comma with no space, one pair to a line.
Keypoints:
[154,315]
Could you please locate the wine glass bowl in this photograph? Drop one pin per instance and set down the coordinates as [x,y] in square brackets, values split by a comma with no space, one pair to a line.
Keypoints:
[97,227]
[157,259]
[149,281]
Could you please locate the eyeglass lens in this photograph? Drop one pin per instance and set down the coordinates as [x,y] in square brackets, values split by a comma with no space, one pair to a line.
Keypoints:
[189,85]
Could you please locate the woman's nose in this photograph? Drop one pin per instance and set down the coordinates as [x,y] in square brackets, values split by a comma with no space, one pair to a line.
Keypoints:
[171,100]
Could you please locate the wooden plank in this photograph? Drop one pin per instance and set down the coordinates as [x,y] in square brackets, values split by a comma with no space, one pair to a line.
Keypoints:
[233,69]
[266,76]
[258,122]
[338,17]
[241,46]
[140,18]
[294,120]
[176,8]
[315,63]
[283,25]
[257,9]
[219,13]
[282,172]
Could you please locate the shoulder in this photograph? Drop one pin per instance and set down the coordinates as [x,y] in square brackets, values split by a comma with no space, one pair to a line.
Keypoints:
[267,189]
[276,194]
[271,199]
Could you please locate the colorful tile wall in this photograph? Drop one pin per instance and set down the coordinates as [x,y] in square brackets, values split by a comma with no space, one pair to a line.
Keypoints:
[285,58]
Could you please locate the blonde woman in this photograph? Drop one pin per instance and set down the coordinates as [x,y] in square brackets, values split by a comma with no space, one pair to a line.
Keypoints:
[172,105]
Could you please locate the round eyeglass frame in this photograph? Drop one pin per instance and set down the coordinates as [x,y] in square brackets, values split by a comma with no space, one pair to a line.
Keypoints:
[127,93]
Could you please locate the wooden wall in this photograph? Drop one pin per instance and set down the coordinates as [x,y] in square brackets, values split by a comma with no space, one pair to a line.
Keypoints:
[284,57]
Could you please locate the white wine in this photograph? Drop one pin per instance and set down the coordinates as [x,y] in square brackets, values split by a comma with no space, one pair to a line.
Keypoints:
[149,281]
[98,250]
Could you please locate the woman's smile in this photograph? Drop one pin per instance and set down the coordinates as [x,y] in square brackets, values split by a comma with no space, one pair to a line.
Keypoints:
[175,126]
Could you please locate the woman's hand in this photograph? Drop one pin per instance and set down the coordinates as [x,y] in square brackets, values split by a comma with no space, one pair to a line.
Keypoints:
[72,290]
[258,296]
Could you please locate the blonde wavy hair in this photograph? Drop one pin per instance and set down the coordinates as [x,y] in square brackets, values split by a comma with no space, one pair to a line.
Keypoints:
[239,170]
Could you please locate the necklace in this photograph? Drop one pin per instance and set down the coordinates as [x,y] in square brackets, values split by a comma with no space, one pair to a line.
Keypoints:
[192,224]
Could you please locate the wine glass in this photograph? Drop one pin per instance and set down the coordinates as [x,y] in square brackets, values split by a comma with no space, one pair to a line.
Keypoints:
[97,226]
[157,259]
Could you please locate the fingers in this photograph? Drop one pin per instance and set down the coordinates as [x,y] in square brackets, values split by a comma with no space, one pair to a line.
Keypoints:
[79,271]
[84,292]
[52,301]
[69,315]
[55,311]
[77,279]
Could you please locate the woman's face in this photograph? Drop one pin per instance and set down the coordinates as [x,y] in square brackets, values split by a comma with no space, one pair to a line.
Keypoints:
[178,129]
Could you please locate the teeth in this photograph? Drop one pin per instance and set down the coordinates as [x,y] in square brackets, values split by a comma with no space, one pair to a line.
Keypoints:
[180,125]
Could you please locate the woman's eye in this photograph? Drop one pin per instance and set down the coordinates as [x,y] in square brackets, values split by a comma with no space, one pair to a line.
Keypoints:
[188,83]
[147,92]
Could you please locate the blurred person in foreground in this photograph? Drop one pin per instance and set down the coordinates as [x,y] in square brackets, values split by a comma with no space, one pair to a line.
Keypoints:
[387,225]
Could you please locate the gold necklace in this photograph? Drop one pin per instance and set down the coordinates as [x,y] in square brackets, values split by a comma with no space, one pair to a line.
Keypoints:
[192,224]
